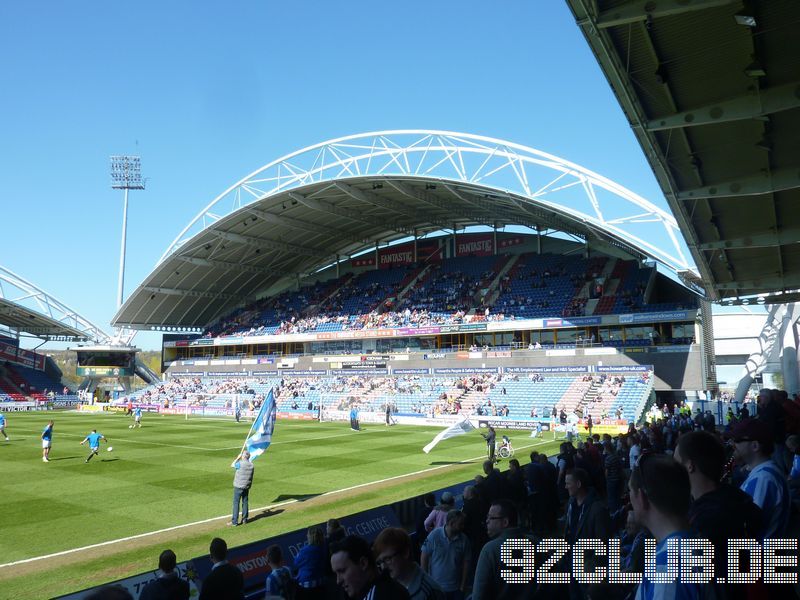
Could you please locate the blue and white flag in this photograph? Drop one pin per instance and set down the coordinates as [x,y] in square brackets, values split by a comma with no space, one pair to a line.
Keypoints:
[261,432]
[459,428]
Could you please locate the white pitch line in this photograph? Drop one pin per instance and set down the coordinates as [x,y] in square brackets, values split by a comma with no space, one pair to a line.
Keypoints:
[269,507]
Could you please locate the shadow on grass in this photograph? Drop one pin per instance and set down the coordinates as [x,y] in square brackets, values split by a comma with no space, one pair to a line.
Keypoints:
[65,458]
[452,462]
[298,497]
[266,514]
[108,459]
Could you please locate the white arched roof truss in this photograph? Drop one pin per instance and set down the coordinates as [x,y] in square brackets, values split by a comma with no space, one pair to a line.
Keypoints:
[534,177]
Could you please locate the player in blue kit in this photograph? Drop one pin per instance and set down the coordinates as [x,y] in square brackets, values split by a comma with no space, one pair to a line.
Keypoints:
[3,425]
[137,417]
[94,443]
[47,439]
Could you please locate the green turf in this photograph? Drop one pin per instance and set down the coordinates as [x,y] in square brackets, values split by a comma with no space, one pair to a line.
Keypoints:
[174,472]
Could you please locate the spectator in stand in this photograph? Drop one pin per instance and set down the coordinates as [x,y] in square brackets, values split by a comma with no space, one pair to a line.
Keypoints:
[613,473]
[428,504]
[169,585]
[334,532]
[110,592]
[309,565]
[515,486]
[446,556]
[495,483]
[770,411]
[766,483]
[719,511]
[660,496]
[501,524]
[279,585]
[438,516]
[586,518]
[354,565]
[392,550]
[225,582]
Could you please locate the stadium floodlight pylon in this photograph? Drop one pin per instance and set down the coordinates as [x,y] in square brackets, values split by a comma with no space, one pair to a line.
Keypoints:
[536,180]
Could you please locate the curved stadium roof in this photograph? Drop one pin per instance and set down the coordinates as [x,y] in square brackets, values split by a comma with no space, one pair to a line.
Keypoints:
[26,308]
[330,201]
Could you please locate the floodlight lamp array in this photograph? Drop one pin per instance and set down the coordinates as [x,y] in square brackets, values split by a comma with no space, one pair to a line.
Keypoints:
[126,173]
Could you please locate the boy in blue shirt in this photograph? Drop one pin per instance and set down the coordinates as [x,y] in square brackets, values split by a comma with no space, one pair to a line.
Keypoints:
[94,443]
[137,417]
[3,425]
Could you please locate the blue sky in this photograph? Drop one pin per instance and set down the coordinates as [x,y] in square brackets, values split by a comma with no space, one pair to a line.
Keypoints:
[207,92]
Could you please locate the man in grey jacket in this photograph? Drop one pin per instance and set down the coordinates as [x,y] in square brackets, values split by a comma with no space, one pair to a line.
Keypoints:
[242,481]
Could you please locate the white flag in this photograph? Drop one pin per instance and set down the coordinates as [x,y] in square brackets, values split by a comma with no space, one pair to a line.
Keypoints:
[459,428]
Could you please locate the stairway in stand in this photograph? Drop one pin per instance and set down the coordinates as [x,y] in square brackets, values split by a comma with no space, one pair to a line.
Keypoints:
[588,399]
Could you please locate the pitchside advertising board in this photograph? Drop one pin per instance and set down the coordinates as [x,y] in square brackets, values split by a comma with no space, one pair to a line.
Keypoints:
[251,559]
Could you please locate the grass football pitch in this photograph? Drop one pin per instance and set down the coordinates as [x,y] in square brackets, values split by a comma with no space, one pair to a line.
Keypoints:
[169,484]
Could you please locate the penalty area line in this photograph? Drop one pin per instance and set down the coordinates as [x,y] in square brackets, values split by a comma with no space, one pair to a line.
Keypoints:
[212,519]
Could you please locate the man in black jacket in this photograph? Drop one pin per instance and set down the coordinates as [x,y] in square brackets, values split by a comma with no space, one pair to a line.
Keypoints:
[225,582]
[718,512]
[169,585]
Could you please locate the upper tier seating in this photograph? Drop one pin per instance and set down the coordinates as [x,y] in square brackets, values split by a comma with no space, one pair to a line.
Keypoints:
[450,292]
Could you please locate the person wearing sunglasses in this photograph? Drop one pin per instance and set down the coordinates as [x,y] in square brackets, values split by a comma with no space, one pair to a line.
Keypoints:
[766,483]
[660,495]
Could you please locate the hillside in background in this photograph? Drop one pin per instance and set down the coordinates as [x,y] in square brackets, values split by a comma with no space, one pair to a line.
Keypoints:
[66,361]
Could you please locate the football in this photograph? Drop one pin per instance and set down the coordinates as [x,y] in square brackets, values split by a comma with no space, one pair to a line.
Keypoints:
[109,448]
[130,426]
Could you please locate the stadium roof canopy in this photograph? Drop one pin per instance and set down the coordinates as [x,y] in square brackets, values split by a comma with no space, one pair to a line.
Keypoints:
[712,91]
[328,202]
[24,308]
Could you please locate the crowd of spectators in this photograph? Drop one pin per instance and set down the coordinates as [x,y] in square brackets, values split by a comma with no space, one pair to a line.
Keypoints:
[675,477]
[440,297]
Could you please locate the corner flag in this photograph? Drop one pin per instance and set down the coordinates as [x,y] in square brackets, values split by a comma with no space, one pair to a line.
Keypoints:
[459,428]
[260,436]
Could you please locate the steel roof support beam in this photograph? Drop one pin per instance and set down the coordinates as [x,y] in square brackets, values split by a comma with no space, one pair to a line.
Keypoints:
[758,104]
[484,218]
[228,266]
[306,226]
[353,215]
[269,244]
[757,240]
[632,12]
[192,293]
[375,200]
[772,283]
[766,183]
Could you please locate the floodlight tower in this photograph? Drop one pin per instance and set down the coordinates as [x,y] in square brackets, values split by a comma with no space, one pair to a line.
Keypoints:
[126,174]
